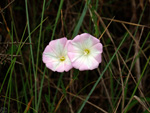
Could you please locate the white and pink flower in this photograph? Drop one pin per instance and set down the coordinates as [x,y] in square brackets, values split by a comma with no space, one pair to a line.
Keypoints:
[85,52]
[55,55]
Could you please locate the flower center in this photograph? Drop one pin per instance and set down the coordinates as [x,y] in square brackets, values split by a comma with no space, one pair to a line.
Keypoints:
[86,51]
[62,58]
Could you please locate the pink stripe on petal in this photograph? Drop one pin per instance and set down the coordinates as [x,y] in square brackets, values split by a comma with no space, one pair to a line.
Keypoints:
[62,41]
[97,48]
[98,57]
[64,66]
[68,67]
[96,52]
[73,52]
[46,59]
[73,56]
[86,39]
[67,43]
[67,64]
[78,62]
[60,67]
[49,50]
[52,65]
[74,47]
[89,64]
[85,63]
[58,45]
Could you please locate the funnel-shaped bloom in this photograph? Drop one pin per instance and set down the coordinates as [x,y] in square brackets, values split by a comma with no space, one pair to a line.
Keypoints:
[55,55]
[85,51]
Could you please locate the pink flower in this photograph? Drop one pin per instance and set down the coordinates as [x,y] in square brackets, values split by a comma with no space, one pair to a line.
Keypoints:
[55,55]
[85,52]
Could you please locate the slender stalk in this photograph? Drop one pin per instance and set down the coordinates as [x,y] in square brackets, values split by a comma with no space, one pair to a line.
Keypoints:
[31,52]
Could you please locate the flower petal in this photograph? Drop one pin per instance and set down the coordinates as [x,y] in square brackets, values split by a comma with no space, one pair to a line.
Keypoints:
[85,63]
[96,52]
[85,40]
[52,65]
[64,66]
[74,52]
[58,45]
[81,44]
[49,55]
[52,54]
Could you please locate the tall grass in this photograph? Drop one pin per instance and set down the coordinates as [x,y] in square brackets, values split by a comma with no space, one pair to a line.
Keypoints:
[26,85]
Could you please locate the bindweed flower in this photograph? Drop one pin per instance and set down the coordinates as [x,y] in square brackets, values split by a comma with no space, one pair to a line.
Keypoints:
[85,51]
[55,55]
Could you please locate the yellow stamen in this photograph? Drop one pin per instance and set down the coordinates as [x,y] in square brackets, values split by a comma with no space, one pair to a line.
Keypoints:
[86,51]
[62,58]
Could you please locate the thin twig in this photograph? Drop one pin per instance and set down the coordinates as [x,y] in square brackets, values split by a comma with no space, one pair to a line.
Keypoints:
[142,103]
[70,105]
[135,42]
[2,43]
[108,96]
[62,23]
[6,6]
[106,28]
[107,31]
[61,99]
[118,104]
[53,85]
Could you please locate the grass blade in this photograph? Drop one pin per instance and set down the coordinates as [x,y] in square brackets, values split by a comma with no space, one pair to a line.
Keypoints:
[83,104]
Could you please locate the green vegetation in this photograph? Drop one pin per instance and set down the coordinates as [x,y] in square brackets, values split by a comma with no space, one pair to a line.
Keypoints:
[119,85]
